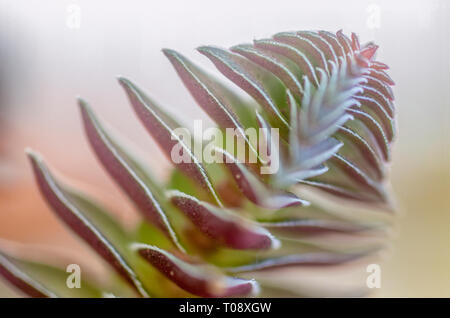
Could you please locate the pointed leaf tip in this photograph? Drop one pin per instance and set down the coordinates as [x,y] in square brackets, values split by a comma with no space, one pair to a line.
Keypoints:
[223,225]
[197,278]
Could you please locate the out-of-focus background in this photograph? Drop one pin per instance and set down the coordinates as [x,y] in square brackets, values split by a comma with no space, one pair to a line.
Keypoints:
[53,50]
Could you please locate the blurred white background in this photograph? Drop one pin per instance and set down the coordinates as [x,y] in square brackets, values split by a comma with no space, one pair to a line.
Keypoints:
[52,51]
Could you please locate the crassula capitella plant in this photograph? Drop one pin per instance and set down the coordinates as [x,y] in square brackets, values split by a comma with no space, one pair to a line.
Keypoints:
[214,230]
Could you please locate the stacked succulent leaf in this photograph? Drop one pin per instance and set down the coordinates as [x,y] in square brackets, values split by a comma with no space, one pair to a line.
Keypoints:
[215,226]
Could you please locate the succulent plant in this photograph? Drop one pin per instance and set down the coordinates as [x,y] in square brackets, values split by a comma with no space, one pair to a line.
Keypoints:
[214,229]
